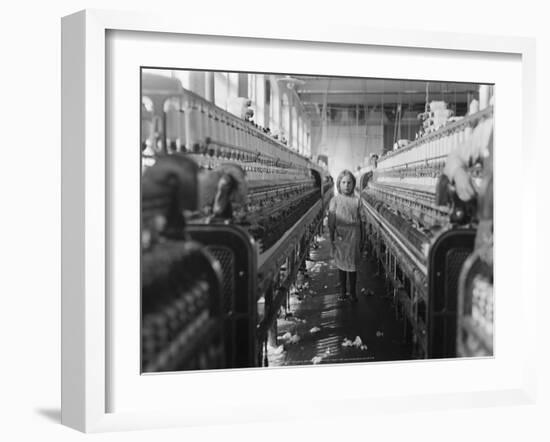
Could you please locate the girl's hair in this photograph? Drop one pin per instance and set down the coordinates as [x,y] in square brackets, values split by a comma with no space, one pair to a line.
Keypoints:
[342,175]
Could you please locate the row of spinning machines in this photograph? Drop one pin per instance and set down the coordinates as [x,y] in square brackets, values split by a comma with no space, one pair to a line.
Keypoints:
[424,240]
[228,214]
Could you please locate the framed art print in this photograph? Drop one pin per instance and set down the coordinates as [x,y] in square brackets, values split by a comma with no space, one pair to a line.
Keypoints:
[303,211]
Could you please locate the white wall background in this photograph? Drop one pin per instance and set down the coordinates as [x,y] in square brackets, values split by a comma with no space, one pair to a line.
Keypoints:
[30,220]
[346,145]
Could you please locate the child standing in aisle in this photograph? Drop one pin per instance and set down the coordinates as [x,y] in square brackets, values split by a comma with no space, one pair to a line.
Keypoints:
[344,221]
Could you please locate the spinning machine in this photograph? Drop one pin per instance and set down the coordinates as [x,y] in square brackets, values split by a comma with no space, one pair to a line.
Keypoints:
[244,201]
[425,249]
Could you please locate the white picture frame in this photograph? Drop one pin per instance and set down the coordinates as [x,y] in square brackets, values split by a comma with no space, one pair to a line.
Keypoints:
[86,205]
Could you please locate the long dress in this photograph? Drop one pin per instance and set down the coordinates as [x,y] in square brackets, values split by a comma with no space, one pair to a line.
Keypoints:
[344,212]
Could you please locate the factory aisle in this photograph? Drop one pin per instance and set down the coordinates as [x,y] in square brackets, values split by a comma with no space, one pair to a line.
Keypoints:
[320,329]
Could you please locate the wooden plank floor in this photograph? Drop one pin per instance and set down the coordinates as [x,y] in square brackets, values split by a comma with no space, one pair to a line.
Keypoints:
[319,326]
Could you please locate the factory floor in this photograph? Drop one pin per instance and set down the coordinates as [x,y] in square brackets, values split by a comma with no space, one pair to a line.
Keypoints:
[319,329]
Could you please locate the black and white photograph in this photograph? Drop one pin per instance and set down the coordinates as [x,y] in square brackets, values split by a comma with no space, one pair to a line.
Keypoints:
[304,246]
[304,219]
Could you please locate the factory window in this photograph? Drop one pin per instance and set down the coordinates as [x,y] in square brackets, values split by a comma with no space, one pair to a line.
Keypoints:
[294,128]
[261,111]
[274,110]
[285,113]
[252,87]
[220,89]
[232,85]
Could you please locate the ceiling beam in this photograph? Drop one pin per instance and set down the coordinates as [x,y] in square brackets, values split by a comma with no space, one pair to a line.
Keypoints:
[324,85]
[374,99]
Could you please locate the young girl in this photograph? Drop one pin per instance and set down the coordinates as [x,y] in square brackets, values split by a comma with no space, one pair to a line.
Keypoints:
[344,221]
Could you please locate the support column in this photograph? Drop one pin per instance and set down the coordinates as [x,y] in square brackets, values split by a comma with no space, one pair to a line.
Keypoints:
[298,132]
[210,87]
[242,90]
[290,122]
[268,100]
